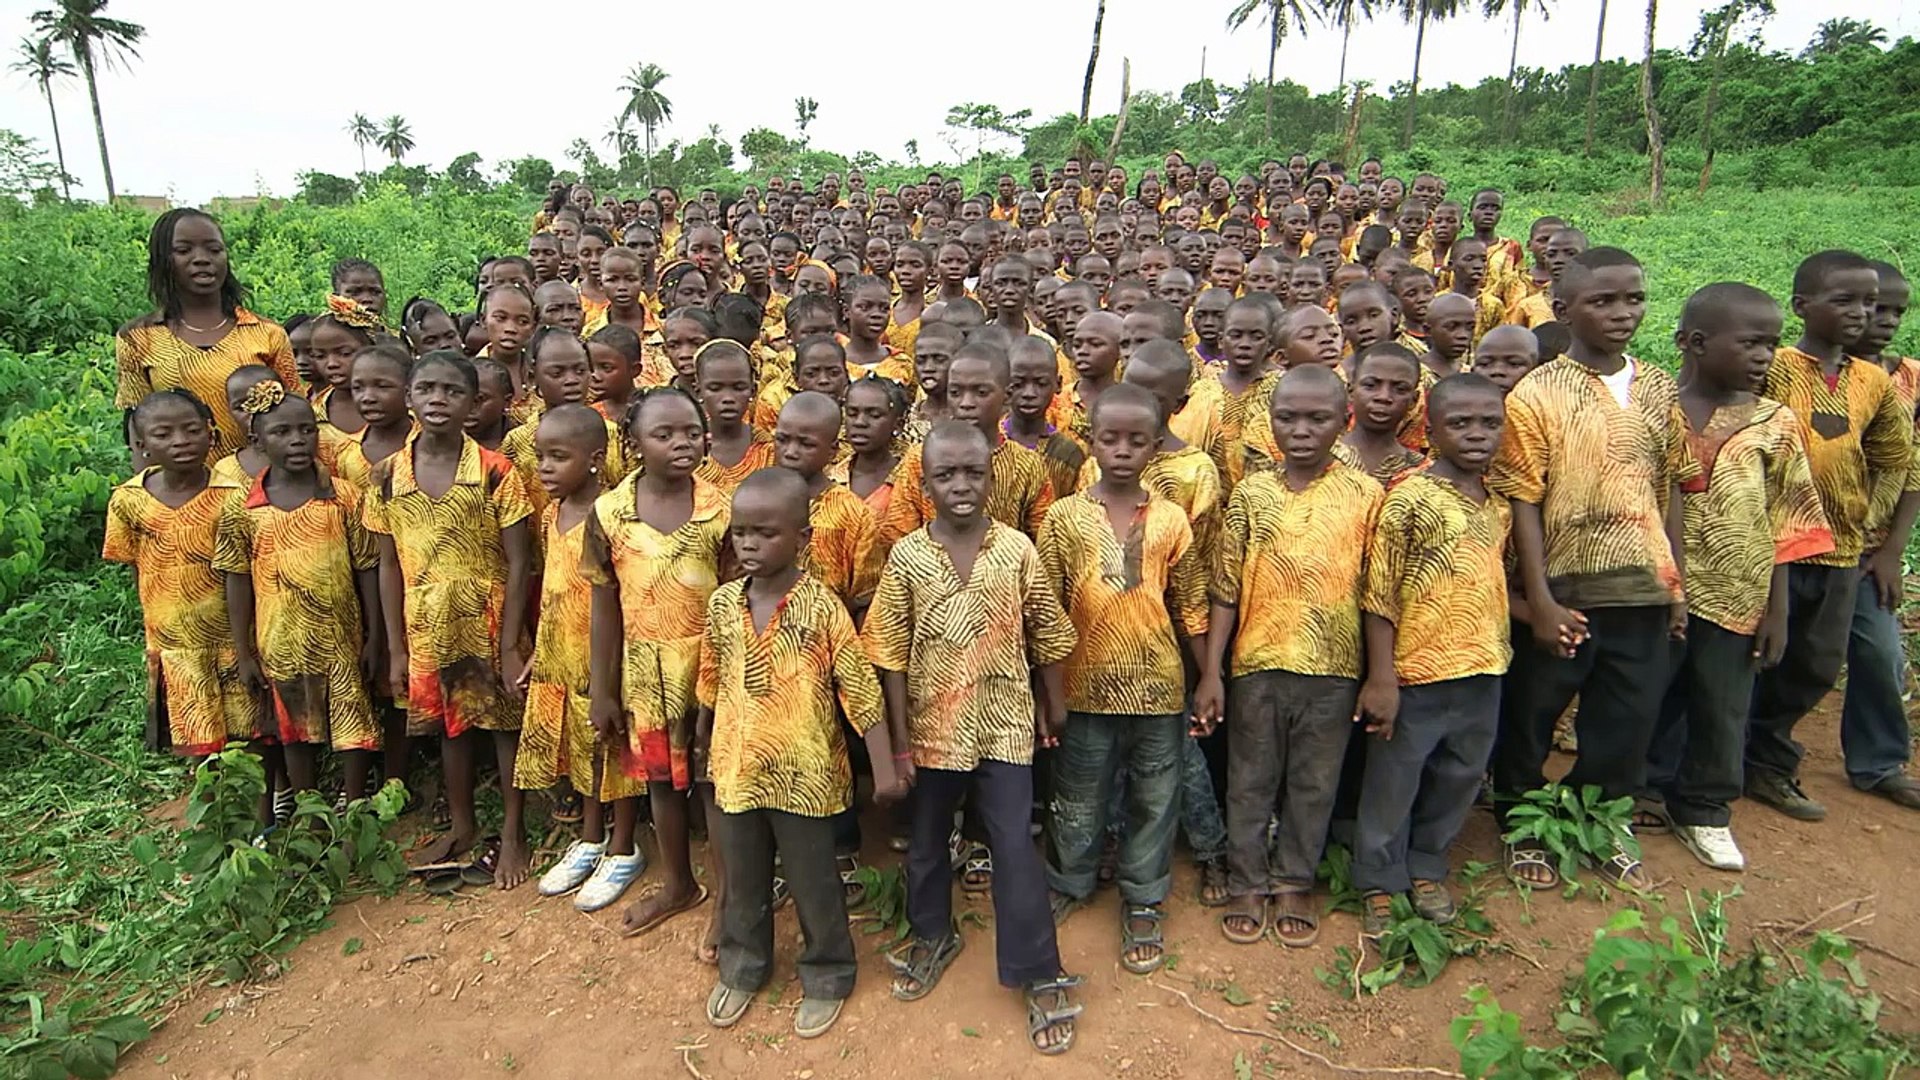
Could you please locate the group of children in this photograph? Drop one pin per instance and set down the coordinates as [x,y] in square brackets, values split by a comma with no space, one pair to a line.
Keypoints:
[1012,501]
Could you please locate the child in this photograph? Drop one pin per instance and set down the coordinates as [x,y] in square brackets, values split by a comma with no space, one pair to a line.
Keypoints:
[1538,307]
[508,315]
[1291,556]
[1858,437]
[1745,521]
[557,737]
[487,424]
[875,410]
[240,467]
[561,374]
[163,522]
[963,702]
[379,391]
[1386,381]
[911,261]
[869,305]
[1504,257]
[1598,551]
[1505,356]
[1535,277]
[1248,338]
[426,326]
[652,551]
[1308,335]
[1413,292]
[683,333]
[1035,375]
[336,338]
[1096,353]
[1437,643]
[735,449]
[359,281]
[779,652]
[839,550]
[822,360]
[613,358]
[557,304]
[296,555]
[451,525]
[1126,568]
[1450,333]
[1467,275]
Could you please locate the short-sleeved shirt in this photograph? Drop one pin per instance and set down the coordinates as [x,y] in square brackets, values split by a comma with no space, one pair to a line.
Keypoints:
[776,739]
[967,648]
[1066,459]
[1131,599]
[1018,497]
[150,356]
[1752,507]
[1293,562]
[518,447]
[1859,441]
[841,553]
[759,455]
[1200,422]
[1434,570]
[1188,479]
[1601,475]
[1242,416]
[1390,468]
[1906,384]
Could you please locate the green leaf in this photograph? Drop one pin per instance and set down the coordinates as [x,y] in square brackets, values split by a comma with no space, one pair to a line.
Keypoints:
[353,945]
[124,1029]
[1235,996]
[1242,1068]
[970,1033]
[91,1058]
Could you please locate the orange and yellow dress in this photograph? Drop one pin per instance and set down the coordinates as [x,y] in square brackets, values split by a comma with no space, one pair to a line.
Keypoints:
[195,700]
[759,456]
[150,356]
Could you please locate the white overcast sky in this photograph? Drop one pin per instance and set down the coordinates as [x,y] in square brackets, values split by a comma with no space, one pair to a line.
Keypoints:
[231,97]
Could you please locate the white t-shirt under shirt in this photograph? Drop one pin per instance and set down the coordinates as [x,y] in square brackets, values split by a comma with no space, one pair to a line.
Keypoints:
[1620,382]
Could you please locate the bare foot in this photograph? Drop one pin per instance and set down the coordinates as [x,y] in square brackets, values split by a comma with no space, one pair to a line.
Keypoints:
[444,849]
[708,951]
[512,870]
[650,911]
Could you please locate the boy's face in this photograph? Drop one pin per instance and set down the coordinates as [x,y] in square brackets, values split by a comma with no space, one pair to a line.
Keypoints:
[1485,212]
[766,532]
[1306,419]
[609,375]
[1415,295]
[1210,316]
[1263,275]
[1740,350]
[822,370]
[1365,317]
[1309,284]
[1246,337]
[544,253]
[1010,285]
[1446,224]
[489,403]
[930,360]
[1327,254]
[1450,328]
[1383,389]
[1125,437]
[1505,358]
[1315,339]
[1035,380]
[957,475]
[1136,329]
[726,389]
[1466,430]
[1155,262]
[1227,269]
[1840,309]
[1889,308]
[1096,346]
[974,395]
[805,442]
[1561,249]
[561,372]
[1606,309]
[1469,262]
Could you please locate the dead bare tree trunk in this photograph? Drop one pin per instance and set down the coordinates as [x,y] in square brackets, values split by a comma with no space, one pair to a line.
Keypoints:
[1656,145]
[1126,105]
[1093,59]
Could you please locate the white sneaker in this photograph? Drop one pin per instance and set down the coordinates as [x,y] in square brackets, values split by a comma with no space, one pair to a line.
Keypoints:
[609,880]
[573,869]
[1713,845]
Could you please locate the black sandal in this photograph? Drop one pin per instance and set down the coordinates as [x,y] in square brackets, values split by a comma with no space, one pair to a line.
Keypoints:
[1214,890]
[1528,853]
[850,883]
[1042,1018]
[976,874]
[1131,939]
[921,963]
[569,808]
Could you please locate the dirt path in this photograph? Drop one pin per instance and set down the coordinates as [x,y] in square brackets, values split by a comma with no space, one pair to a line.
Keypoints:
[511,983]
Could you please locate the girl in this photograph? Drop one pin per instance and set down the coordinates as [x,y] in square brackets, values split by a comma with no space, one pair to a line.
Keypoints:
[199,330]
[488,423]
[724,373]
[683,285]
[361,282]
[299,334]
[561,374]
[644,241]
[756,267]
[613,358]
[869,307]
[622,277]
[706,250]
[240,467]
[163,522]
[651,551]
[594,244]
[379,390]
[911,261]
[426,326]
[682,334]
[451,524]
[558,738]
[509,314]
[953,262]
[338,336]
[783,249]
[295,552]
[816,278]
[875,409]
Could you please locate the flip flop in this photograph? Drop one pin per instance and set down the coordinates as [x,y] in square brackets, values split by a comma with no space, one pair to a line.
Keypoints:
[699,897]
[444,883]
[1305,915]
[480,870]
[1263,919]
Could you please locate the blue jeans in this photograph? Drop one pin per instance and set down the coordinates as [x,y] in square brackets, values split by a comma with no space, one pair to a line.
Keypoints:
[1094,751]
[1874,735]
[1200,816]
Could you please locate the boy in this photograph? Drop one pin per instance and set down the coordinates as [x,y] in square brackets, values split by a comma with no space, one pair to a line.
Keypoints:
[1746,520]
[1538,307]
[1450,322]
[1126,569]
[779,651]
[960,615]
[1248,342]
[839,552]
[1505,356]
[1035,380]
[1599,550]
[1859,439]
[1287,572]
[1386,382]
[1413,292]
[1437,644]
[1467,276]
[1096,353]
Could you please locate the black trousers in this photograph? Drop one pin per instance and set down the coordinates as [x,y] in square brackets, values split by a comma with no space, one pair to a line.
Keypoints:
[1694,764]
[1620,675]
[1819,618]
[1421,782]
[1289,735]
[1002,796]
[827,962]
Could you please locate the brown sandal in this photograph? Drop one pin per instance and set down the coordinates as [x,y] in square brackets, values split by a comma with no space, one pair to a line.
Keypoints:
[1295,907]
[1260,916]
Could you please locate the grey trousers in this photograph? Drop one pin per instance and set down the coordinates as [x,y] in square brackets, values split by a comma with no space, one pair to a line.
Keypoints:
[1287,735]
[1420,784]
[827,962]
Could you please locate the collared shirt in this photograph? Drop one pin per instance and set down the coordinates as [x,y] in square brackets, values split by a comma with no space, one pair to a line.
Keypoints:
[967,648]
[303,562]
[841,554]
[1390,468]
[1859,439]
[518,447]
[760,455]
[1188,479]
[150,356]
[183,601]
[1065,456]
[1293,562]
[1018,496]
[776,739]
[1434,570]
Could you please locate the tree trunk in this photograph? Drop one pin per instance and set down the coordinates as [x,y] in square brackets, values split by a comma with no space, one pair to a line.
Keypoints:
[1513,65]
[1706,121]
[99,124]
[1273,52]
[1656,145]
[1593,80]
[650,162]
[1126,106]
[363,156]
[1093,59]
[59,151]
[1346,38]
[1413,93]
[1352,147]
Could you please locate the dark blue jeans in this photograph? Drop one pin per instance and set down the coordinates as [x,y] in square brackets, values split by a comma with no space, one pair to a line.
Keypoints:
[1874,735]
[1096,750]
[1820,606]
[1420,784]
[1695,762]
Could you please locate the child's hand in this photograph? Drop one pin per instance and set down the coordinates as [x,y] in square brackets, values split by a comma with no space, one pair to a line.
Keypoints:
[370,661]
[1559,630]
[1677,621]
[1770,640]
[397,671]
[1882,567]
[1378,707]
[248,668]
[517,667]
[904,776]
[1209,703]
[609,722]
[1048,726]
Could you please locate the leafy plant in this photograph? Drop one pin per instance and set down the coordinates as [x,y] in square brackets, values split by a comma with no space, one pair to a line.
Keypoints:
[884,911]
[1573,827]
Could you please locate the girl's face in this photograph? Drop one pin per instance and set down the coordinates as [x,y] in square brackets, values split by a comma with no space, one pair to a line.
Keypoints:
[821,369]
[669,435]
[587,252]
[561,372]
[300,339]
[331,350]
[441,397]
[199,257]
[880,255]
[752,230]
[620,279]
[669,205]
[174,437]
[489,404]
[567,231]
[953,262]
[704,250]
[726,388]
[812,279]
[509,322]
[784,253]
[379,390]
[365,288]
[436,331]
[609,375]
[870,420]
[910,270]
[689,291]
[564,464]
[867,312]
[755,267]
[681,338]
[645,245]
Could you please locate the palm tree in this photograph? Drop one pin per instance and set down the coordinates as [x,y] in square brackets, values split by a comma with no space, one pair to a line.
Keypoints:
[1421,12]
[804,110]
[364,134]
[1493,8]
[396,138]
[96,41]
[1656,144]
[1716,34]
[1343,14]
[621,140]
[1093,58]
[1278,14]
[646,105]
[1593,79]
[40,63]
[1837,34]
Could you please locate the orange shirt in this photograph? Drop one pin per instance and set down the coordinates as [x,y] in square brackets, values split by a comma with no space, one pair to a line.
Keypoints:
[1017,497]
[150,356]
[1434,571]
[1859,444]
[841,554]
[759,456]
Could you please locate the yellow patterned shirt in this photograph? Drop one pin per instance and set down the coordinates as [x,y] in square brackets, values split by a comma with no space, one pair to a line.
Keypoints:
[518,447]
[1435,571]
[1018,495]
[776,739]
[841,555]
[1752,506]
[759,455]
[1859,444]
[967,649]
[1188,479]
[1293,562]
[1124,596]
[150,357]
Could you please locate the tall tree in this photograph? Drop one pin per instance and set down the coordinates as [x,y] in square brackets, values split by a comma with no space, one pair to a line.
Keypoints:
[1420,13]
[364,134]
[1279,14]
[1344,14]
[1656,145]
[96,41]
[1717,27]
[646,104]
[395,138]
[804,110]
[1493,9]
[1093,59]
[1837,34]
[1593,78]
[39,62]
